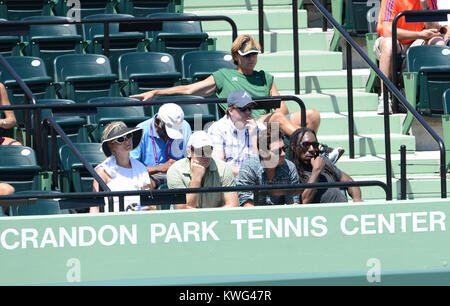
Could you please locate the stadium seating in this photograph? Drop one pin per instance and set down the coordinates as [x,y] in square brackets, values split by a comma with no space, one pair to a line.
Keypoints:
[85,76]
[49,41]
[143,71]
[198,65]
[142,8]
[75,177]
[19,168]
[10,45]
[446,125]
[178,37]
[131,115]
[86,8]
[18,9]
[34,74]
[120,42]
[426,80]
[192,112]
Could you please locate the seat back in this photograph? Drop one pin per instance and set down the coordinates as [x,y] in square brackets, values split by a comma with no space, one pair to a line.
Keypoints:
[178,37]
[143,71]
[355,16]
[19,167]
[10,45]
[86,7]
[49,41]
[41,207]
[131,115]
[142,8]
[432,63]
[33,72]
[18,9]
[198,65]
[446,102]
[85,76]
[76,177]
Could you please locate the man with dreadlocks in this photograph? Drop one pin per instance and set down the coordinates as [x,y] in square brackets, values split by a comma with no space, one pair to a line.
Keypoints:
[313,168]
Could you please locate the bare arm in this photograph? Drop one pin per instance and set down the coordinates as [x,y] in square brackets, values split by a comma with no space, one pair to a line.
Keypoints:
[230,200]
[274,92]
[96,187]
[9,114]
[308,194]
[354,192]
[203,88]
[402,34]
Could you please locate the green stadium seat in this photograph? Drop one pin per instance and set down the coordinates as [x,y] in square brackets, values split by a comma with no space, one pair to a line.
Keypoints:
[33,72]
[75,177]
[206,112]
[120,42]
[198,65]
[131,115]
[85,76]
[164,207]
[49,41]
[143,71]
[86,8]
[19,168]
[142,8]
[446,125]
[41,207]
[18,9]
[178,37]
[426,79]
[10,45]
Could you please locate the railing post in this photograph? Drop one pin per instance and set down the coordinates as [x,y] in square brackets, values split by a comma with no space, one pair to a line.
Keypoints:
[387,142]
[403,172]
[295,50]
[261,23]
[351,130]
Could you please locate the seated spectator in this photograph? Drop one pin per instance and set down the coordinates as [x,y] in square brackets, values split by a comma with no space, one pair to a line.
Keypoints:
[9,120]
[269,167]
[408,34]
[200,170]
[119,171]
[313,168]
[164,141]
[244,50]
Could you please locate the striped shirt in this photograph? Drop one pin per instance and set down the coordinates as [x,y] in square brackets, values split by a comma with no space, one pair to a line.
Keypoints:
[236,145]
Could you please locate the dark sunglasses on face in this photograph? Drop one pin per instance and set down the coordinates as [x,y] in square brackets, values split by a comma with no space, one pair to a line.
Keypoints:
[279,150]
[305,145]
[202,152]
[246,108]
[123,138]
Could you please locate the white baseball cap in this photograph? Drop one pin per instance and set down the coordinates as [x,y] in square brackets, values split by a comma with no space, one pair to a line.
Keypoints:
[172,115]
[200,139]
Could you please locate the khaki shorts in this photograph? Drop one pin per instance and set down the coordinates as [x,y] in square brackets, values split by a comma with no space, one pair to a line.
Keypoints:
[403,47]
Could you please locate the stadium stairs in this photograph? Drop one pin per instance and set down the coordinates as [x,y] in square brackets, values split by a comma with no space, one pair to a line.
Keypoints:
[323,86]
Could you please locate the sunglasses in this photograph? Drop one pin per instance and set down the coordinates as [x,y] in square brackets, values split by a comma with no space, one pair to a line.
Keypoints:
[279,150]
[246,108]
[202,152]
[305,145]
[120,140]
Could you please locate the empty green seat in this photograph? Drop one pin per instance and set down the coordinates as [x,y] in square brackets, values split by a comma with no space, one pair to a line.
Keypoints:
[143,71]
[18,9]
[33,72]
[41,207]
[86,8]
[19,168]
[49,41]
[178,37]
[197,115]
[120,42]
[10,45]
[85,76]
[142,8]
[426,79]
[75,177]
[131,115]
[198,65]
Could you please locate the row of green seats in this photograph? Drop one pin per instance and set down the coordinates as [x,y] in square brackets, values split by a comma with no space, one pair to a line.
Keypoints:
[18,9]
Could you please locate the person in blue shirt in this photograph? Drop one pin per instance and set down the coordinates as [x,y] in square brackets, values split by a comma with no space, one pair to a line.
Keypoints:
[165,139]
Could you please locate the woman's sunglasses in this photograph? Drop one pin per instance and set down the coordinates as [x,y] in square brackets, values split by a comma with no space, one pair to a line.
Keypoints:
[121,139]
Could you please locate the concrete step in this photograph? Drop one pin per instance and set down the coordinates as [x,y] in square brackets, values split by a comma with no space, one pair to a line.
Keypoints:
[319,81]
[334,101]
[275,40]
[365,123]
[370,144]
[248,20]
[194,5]
[283,61]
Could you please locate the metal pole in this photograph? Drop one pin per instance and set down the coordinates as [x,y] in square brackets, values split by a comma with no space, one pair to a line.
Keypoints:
[403,172]
[351,129]
[387,143]
[295,51]
[261,23]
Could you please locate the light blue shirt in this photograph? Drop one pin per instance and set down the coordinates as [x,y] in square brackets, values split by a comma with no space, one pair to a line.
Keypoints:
[145,152]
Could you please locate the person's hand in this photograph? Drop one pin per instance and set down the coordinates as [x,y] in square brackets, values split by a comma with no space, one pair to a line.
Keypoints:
[198,170]
[318,163]
[145,96]
[427,34]
[166,165]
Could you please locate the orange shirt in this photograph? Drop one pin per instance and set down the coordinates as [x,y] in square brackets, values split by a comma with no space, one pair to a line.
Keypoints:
[391,8]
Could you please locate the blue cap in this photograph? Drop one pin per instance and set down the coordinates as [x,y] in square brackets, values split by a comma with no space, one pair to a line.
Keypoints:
[240,98]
